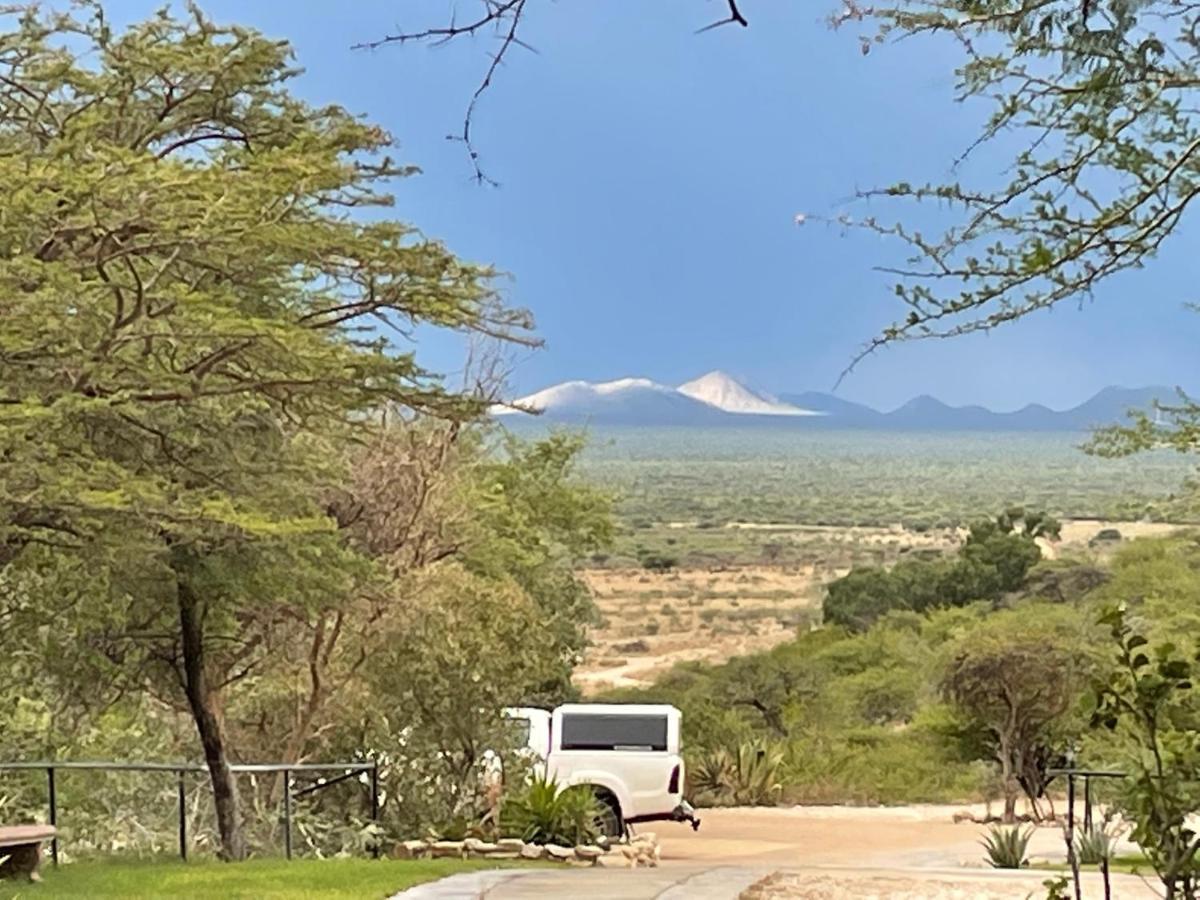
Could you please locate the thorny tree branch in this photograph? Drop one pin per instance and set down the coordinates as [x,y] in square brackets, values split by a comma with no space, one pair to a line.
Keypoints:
[1103,99]
[503,18]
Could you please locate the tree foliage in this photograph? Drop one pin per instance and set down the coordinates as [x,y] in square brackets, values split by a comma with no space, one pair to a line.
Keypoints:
[1148,701]
[202,328]
[1016,678]
[994,560]
[1097,100]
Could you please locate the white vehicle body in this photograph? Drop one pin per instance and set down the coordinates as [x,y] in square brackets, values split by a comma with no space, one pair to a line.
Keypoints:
[628,753]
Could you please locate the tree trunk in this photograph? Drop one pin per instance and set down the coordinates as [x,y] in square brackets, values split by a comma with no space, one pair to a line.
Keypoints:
[1011,786]
[210,724]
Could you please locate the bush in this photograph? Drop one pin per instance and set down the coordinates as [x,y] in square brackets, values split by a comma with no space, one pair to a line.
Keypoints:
[543,813]
[749,776]
[1006,847]
[658,562]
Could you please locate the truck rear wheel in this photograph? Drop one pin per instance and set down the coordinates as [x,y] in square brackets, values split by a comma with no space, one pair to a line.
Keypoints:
[609,821]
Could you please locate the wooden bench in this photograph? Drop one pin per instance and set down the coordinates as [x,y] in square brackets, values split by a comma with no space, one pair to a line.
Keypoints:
[21,849]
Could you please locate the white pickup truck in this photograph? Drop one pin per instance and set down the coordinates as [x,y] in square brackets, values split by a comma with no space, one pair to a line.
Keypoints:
[627,753]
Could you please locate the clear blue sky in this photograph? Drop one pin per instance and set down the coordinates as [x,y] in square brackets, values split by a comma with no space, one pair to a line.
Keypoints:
[650,178]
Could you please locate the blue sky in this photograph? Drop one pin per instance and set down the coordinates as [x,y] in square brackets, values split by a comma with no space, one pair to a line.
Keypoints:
[650,176]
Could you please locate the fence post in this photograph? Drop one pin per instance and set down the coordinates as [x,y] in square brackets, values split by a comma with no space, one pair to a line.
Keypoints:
[287,813]
[53,813]
[183,842]
[1071,804]
[375,806]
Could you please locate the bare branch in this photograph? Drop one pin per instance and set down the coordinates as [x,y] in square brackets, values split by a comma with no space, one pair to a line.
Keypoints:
[735,17]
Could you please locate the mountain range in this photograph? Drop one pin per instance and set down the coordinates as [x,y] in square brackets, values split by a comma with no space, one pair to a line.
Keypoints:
[719,399]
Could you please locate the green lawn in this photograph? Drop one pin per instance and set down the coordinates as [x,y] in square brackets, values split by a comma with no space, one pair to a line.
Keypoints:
[266,878]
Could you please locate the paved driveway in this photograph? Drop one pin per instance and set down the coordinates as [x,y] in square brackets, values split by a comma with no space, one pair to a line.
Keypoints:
[730,882]
[810,853]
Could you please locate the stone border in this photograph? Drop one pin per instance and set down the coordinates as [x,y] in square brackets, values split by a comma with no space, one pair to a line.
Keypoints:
[642,850]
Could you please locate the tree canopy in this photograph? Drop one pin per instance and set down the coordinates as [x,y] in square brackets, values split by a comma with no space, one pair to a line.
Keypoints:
[204,334]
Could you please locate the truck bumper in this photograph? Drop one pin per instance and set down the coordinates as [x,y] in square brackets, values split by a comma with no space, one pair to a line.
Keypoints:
[684,812]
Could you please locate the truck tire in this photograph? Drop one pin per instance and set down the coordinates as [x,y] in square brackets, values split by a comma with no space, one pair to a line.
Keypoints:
[609,821]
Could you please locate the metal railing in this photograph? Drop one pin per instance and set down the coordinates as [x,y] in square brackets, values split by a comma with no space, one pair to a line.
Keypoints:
[1071,774]
[347,770]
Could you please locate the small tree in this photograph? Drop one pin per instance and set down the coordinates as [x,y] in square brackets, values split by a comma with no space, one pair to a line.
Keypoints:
[1148,700]
[1018,680]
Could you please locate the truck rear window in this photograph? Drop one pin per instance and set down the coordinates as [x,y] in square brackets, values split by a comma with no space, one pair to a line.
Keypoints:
[614,732]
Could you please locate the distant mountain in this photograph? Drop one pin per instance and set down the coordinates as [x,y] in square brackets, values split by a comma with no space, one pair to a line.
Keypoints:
[927,413]
[725,393]
[627,401]
[1113,404]
[719,399]
[835,410]
[713,399]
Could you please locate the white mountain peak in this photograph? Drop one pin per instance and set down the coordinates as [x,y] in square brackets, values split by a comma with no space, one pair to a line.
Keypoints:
[715,392]
[570,394]
[725,392]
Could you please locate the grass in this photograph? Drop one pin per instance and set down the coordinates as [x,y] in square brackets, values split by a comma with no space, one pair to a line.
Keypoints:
[260,879]
[1127,864]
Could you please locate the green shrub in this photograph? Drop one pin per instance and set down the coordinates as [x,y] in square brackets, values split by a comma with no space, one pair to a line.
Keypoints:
[749,776]
[543,813]
[1006,846]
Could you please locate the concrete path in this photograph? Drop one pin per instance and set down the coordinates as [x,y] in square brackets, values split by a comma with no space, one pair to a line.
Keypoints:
[675,883]
[729,883]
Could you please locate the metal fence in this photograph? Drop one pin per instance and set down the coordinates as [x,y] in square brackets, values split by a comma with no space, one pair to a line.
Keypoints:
[346,770]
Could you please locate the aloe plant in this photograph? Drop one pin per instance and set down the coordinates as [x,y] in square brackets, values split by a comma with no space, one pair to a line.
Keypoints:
[748,776]
[1006,847]
[1093,846]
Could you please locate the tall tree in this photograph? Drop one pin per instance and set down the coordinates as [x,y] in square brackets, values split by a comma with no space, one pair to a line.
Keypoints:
[195,324]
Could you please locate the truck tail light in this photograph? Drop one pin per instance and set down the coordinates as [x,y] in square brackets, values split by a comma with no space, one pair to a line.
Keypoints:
[673,784]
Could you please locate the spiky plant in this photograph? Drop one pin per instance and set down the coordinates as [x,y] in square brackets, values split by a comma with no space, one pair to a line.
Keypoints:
[1093,846]
[543,813]
[749,776]
[1006,847]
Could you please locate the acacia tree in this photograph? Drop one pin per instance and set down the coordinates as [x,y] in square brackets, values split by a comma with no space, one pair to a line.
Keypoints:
[194,328]
[1018,676]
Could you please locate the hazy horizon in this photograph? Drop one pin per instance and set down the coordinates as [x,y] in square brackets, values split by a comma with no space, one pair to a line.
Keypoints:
[1015,406]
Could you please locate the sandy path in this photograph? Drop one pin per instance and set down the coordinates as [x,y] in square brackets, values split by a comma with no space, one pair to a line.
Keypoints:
[905,837]
[892,885]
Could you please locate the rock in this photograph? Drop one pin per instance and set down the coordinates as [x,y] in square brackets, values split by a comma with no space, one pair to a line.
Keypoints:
[533,851]
[588,852]
[514,845]
[502,854]
[554,851]
[477,847]
[442,849]
[615,860]
[410,849]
